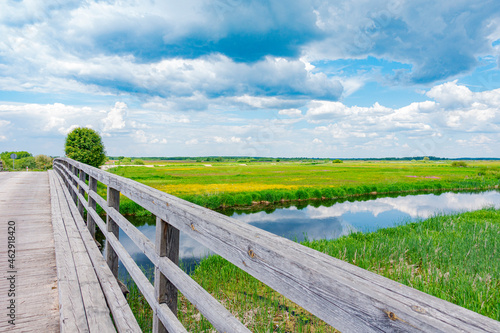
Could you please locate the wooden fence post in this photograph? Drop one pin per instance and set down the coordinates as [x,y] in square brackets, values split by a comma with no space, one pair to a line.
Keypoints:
[74,170]
[82,177]
[111,256]
[92,205]
[166,245]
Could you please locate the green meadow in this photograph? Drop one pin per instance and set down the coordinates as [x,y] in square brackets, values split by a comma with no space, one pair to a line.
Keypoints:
[455,258]
[218,184]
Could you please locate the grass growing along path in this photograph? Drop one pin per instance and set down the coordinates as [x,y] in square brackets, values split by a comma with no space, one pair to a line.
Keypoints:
[453,257]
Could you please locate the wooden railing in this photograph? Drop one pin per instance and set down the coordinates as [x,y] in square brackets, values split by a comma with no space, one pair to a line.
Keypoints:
[346,297]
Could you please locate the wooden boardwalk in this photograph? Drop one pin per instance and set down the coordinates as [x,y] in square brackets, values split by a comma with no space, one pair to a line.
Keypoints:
[58,274]
[25,199]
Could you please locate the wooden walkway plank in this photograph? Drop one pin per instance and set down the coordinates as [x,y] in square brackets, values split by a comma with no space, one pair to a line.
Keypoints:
[24,198]
[96,312]
[122,314]
[71,306]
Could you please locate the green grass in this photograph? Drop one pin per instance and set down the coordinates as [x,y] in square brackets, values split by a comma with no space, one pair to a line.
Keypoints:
[232,184]
[453,257]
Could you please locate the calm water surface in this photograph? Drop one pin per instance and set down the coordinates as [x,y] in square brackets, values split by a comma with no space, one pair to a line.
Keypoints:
[328,221]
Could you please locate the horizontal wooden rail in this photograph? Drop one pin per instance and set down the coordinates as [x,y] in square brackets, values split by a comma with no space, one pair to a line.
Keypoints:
[347,297]
[123,318]
[219,316]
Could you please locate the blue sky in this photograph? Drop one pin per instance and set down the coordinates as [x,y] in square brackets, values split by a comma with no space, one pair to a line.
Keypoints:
[253,78]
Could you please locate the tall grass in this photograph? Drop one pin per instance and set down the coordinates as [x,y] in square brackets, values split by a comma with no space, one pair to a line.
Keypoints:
[456,257]
[453,257]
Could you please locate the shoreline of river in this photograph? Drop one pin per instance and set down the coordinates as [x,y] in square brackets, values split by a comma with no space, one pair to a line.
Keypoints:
[225,201]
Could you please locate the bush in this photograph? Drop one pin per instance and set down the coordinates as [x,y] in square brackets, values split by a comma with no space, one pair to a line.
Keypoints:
[23,160]
[269,196]
[459,164]
[27,162]
[301,194]
[85,145]
[256,196]
[316,194]
[227,200]
[213,201]
[327,193]
[289,195]
[243,199]
[43,162]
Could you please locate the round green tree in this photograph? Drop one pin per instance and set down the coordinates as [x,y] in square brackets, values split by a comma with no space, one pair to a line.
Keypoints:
[85,145]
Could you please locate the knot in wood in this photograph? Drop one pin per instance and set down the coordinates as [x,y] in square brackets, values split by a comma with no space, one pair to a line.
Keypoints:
[251,253]
[417,308]
[392,316]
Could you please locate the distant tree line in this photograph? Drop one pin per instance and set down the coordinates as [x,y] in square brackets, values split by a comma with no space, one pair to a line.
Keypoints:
[249,159]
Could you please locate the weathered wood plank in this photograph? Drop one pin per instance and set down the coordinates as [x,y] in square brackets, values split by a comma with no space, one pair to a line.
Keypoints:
[92,205]
[219,316]
[166,245]
[345,296]
[111,226]
[82,178]
[96,310]
[73,181]
[36,275]
[169,320]
[122,314]
[71,306]
[171,236]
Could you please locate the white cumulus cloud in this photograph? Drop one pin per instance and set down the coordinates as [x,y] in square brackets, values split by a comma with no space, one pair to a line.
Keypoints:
[115,118]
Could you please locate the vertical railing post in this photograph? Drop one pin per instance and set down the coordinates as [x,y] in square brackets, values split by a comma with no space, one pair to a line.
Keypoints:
[166,245]
[111,256]
[66,179]
[92,205]
[73,170]
[83,177]
[70,181]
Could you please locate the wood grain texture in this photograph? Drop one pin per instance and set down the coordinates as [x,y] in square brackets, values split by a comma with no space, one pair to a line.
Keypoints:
[122,314]
[92,205]
[219,316]
[74,181]
[96,312]
[81,190]
[166,245]
[25,199]
[168,319]
[345,296]
[111,226]
[72,312]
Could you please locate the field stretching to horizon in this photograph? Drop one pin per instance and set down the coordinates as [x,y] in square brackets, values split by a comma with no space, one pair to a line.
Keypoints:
[222,184]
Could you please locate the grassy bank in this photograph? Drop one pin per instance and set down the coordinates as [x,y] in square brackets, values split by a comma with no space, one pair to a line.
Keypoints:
[453,257]
[228,185]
